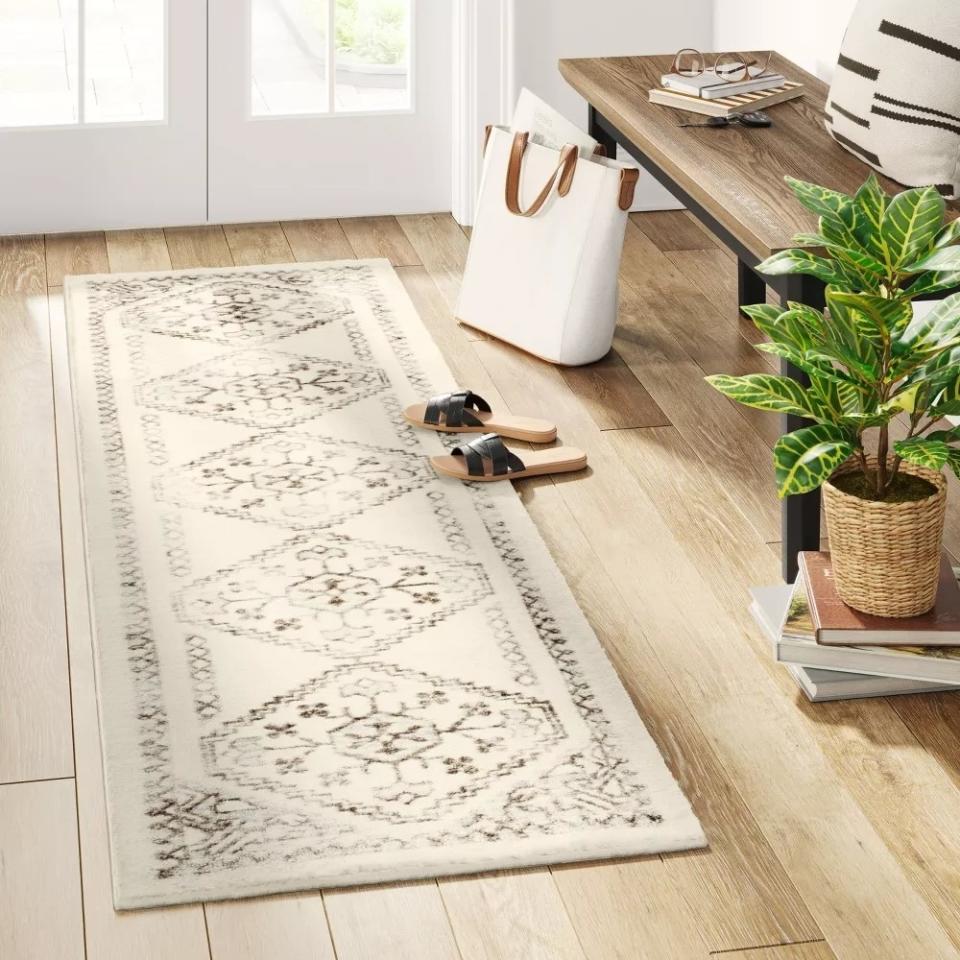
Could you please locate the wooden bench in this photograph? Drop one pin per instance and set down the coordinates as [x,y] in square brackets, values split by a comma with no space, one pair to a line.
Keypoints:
[732,180]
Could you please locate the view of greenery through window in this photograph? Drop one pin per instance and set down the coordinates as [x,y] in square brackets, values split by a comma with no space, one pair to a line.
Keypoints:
[291,51]
[372,31]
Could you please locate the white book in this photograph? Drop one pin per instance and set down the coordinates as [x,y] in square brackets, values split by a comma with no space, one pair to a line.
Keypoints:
[769,609]
[820,686]
[548,127]
[709,86]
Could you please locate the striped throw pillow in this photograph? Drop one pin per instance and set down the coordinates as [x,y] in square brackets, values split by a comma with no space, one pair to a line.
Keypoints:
[895,98]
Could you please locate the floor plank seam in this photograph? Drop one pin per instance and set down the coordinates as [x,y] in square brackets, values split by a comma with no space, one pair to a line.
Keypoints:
[206,931]
[66,635]
[446,913]
[326,917]
[17,783]
[639,426]
[567,913]
[766,946]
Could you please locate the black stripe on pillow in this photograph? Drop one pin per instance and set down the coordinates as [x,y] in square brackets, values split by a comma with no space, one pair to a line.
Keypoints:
[920,39]
[828,117]
[852,117]
[861,69]
[856,148]
[919,121]
[915,106]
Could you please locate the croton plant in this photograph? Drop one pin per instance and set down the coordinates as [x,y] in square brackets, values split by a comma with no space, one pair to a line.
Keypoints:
[869,358]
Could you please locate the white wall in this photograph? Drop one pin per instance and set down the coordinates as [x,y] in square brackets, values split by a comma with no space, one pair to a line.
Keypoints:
[808,32]
[546,30]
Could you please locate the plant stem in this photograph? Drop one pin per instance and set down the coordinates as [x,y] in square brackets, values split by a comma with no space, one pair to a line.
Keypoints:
[883,445]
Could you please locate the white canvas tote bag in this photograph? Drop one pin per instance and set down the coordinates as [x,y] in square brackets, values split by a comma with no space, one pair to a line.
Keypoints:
[545,250]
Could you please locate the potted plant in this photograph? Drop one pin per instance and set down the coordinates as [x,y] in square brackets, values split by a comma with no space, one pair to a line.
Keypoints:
[882,377]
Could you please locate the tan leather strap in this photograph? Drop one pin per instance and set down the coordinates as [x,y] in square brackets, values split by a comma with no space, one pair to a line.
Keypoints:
[599,150]
[487,130]
[562,176]
[628,184]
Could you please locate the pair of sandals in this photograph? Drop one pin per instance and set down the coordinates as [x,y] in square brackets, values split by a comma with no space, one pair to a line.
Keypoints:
[488,457]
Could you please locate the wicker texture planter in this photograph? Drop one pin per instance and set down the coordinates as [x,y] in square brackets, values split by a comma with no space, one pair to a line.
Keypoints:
[886,556]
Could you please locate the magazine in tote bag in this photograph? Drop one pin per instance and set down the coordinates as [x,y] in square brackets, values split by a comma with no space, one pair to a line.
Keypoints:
[544,255]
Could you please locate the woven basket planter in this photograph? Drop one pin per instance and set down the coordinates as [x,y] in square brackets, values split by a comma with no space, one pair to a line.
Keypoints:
[886,556]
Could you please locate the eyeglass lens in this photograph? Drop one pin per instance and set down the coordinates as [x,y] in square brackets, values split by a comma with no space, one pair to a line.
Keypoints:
[688,63]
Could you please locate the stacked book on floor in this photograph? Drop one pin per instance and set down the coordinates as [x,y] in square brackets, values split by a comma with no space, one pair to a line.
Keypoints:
[835,653]
[714,97]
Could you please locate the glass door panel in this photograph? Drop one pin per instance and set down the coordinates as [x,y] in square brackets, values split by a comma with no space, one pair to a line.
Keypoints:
[123,61]
[103,113]
[372,55]
[311,57]
[38,63]
[329,107]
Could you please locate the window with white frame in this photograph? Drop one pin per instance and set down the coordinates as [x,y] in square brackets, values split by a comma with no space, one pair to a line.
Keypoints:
[71,62]
[329,56]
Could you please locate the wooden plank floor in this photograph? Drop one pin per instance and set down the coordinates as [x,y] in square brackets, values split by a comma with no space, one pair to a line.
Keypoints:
[832,827]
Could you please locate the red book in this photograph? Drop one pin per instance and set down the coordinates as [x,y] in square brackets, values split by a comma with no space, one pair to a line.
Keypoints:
[838,624]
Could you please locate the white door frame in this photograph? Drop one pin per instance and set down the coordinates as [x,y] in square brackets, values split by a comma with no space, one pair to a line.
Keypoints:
[483,90]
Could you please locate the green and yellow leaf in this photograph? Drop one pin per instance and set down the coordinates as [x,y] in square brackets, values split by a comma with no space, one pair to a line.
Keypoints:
[945,436]
[793,328]
[808,240]
[932,332]
[905,400]
[946,260]
[799,261]
[762,311]
[804,459]
[871,201]
[923,451]
[949,234]
[933,283]
[765,392]
[802,361]
[884,316]
[911,223]
[819,200]
[953,462]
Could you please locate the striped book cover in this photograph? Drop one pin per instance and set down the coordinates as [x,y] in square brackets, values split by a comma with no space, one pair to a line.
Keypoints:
[725,106]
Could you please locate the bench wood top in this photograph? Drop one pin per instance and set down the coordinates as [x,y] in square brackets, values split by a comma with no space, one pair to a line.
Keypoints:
[735,173]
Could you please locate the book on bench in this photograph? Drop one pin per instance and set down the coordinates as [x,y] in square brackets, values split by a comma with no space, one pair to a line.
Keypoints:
[709,86]
[727,106]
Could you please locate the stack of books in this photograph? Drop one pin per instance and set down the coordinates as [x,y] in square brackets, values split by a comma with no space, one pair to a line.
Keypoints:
[836,653]
[710,95]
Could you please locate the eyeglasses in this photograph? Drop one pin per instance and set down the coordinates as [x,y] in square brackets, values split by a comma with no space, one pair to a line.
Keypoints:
[731,67]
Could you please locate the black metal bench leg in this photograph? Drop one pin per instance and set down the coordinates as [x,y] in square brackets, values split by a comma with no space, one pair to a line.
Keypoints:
[751,288]
[800,518]
[599,134]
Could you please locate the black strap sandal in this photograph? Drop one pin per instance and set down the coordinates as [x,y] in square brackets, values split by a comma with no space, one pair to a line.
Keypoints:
[456,409]
[488,458]
[467,412]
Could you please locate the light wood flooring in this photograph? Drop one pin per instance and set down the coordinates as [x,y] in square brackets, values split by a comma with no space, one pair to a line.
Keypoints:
[833,827]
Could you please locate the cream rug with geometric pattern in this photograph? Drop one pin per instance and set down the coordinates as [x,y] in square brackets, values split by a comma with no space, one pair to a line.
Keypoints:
[319,664]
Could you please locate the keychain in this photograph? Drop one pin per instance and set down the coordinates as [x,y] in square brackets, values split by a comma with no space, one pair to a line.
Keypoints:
[755,119]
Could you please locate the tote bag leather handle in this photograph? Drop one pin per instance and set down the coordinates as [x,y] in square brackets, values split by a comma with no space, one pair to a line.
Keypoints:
[562,176]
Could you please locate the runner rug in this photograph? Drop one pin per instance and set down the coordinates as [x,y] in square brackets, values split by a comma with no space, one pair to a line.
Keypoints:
[319,664]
